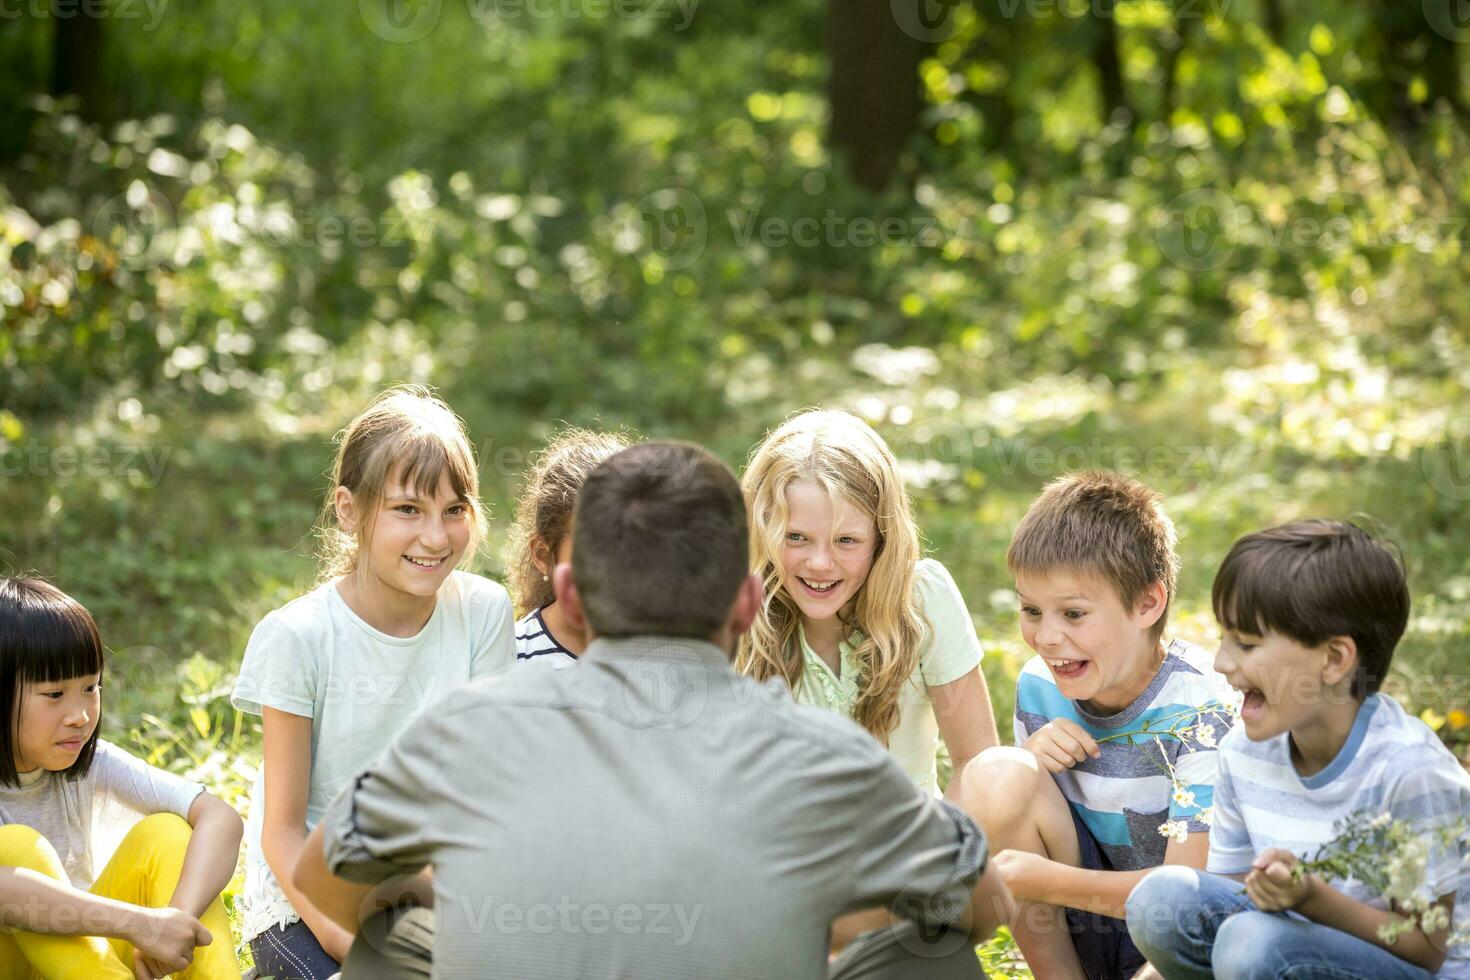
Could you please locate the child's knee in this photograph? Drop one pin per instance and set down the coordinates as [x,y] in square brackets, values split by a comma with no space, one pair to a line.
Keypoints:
[1001,785]
[167,832]
[1153,903]
[22,847]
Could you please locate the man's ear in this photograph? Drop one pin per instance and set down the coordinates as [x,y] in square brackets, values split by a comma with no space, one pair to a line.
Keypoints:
[346,509]
[1151,605]
[1341,659]
[567,596]
[747,605]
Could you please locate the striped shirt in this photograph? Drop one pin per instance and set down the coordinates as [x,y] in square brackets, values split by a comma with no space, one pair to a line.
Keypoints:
[1127,794]
[536,647]
[1390,764]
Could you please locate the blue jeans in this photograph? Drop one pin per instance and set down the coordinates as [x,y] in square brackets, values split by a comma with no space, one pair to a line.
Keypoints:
[291,953]
[1193,926]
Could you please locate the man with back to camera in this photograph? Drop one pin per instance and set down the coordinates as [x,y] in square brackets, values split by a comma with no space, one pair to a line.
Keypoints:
[652,813]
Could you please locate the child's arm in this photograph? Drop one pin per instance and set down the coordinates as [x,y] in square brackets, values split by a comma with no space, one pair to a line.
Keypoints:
[966,722]
[1272,889]
[33,902]
[214,850]
[343,901]
[1039,879]
[287,753]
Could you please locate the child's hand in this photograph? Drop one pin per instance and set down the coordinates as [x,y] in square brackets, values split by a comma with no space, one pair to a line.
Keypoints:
[1021,871]
[1271,884]
[1061,744]
[164,939]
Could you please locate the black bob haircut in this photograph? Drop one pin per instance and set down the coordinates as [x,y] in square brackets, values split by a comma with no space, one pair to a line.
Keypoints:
[1313,580]
[45,636]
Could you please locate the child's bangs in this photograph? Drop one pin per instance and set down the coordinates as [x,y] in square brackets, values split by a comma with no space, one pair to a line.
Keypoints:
[422,462]
[48,636]
[1253,595]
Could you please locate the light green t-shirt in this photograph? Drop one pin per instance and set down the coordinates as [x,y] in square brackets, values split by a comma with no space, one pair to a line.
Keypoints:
[950,650]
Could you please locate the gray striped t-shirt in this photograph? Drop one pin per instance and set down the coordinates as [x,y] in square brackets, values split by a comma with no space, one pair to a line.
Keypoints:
[1129,793]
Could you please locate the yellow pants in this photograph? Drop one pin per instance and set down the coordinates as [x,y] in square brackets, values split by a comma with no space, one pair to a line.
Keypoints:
[144,871]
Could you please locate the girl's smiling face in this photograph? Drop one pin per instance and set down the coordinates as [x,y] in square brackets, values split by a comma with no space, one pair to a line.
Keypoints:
[415,542]
[826,552]
[56,718]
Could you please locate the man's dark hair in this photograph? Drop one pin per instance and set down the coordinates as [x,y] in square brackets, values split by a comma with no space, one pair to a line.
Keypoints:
[1313,580]
[659,542]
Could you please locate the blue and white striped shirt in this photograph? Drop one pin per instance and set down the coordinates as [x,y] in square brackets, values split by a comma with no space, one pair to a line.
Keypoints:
[1127,794]
[1391,764]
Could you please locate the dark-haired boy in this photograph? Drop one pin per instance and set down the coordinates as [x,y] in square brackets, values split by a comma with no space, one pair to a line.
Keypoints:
[1311,613]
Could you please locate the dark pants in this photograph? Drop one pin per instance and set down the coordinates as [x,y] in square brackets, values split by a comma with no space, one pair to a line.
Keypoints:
[291,953]
[401,948]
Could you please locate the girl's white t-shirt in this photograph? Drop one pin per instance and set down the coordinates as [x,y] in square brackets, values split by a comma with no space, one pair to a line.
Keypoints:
[949,650]
[316,658]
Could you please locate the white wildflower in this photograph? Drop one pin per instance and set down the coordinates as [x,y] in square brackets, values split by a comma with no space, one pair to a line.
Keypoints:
[1183,795]
[1176,830]
[1205,735]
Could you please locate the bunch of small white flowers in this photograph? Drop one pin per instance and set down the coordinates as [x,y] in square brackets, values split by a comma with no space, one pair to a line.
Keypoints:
[1391,857]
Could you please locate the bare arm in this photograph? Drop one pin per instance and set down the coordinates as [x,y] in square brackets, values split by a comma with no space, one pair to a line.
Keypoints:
[214,850]
[990,906]
[287,740]
[966,722]
[34,902]
[341,900]
[1106,892]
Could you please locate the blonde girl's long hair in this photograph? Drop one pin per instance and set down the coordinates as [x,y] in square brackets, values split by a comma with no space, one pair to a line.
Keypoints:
[842,454]
[409,434]
[544,511]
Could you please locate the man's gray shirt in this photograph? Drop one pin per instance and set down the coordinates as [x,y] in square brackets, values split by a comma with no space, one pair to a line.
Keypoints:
[649,814]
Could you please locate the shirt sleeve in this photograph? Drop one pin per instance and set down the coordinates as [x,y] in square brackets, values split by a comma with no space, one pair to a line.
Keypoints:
[1230,846]
[1433,798]
[952,649]
[495,649]
[279,671]
[127,779]
[918,854]
[389,820]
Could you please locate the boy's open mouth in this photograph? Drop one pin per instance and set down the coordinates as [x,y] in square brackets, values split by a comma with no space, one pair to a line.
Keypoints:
[1066,668]
[1253,703]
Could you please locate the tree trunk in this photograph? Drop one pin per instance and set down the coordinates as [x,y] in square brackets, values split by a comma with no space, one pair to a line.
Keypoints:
[76,60]
[1109,65]
[873,88]
[1275,22]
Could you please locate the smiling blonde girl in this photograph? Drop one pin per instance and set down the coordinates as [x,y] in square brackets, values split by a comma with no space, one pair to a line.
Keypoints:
[854,619]
[154,908]
[338,672]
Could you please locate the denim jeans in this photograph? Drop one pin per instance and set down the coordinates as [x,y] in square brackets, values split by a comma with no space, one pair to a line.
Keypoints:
[1193,925]
[291,952]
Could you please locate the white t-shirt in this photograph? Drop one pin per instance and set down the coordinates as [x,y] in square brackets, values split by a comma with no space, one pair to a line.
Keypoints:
[1391,764]
[950,650]
[316,658]
[536,647]
[81,817]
